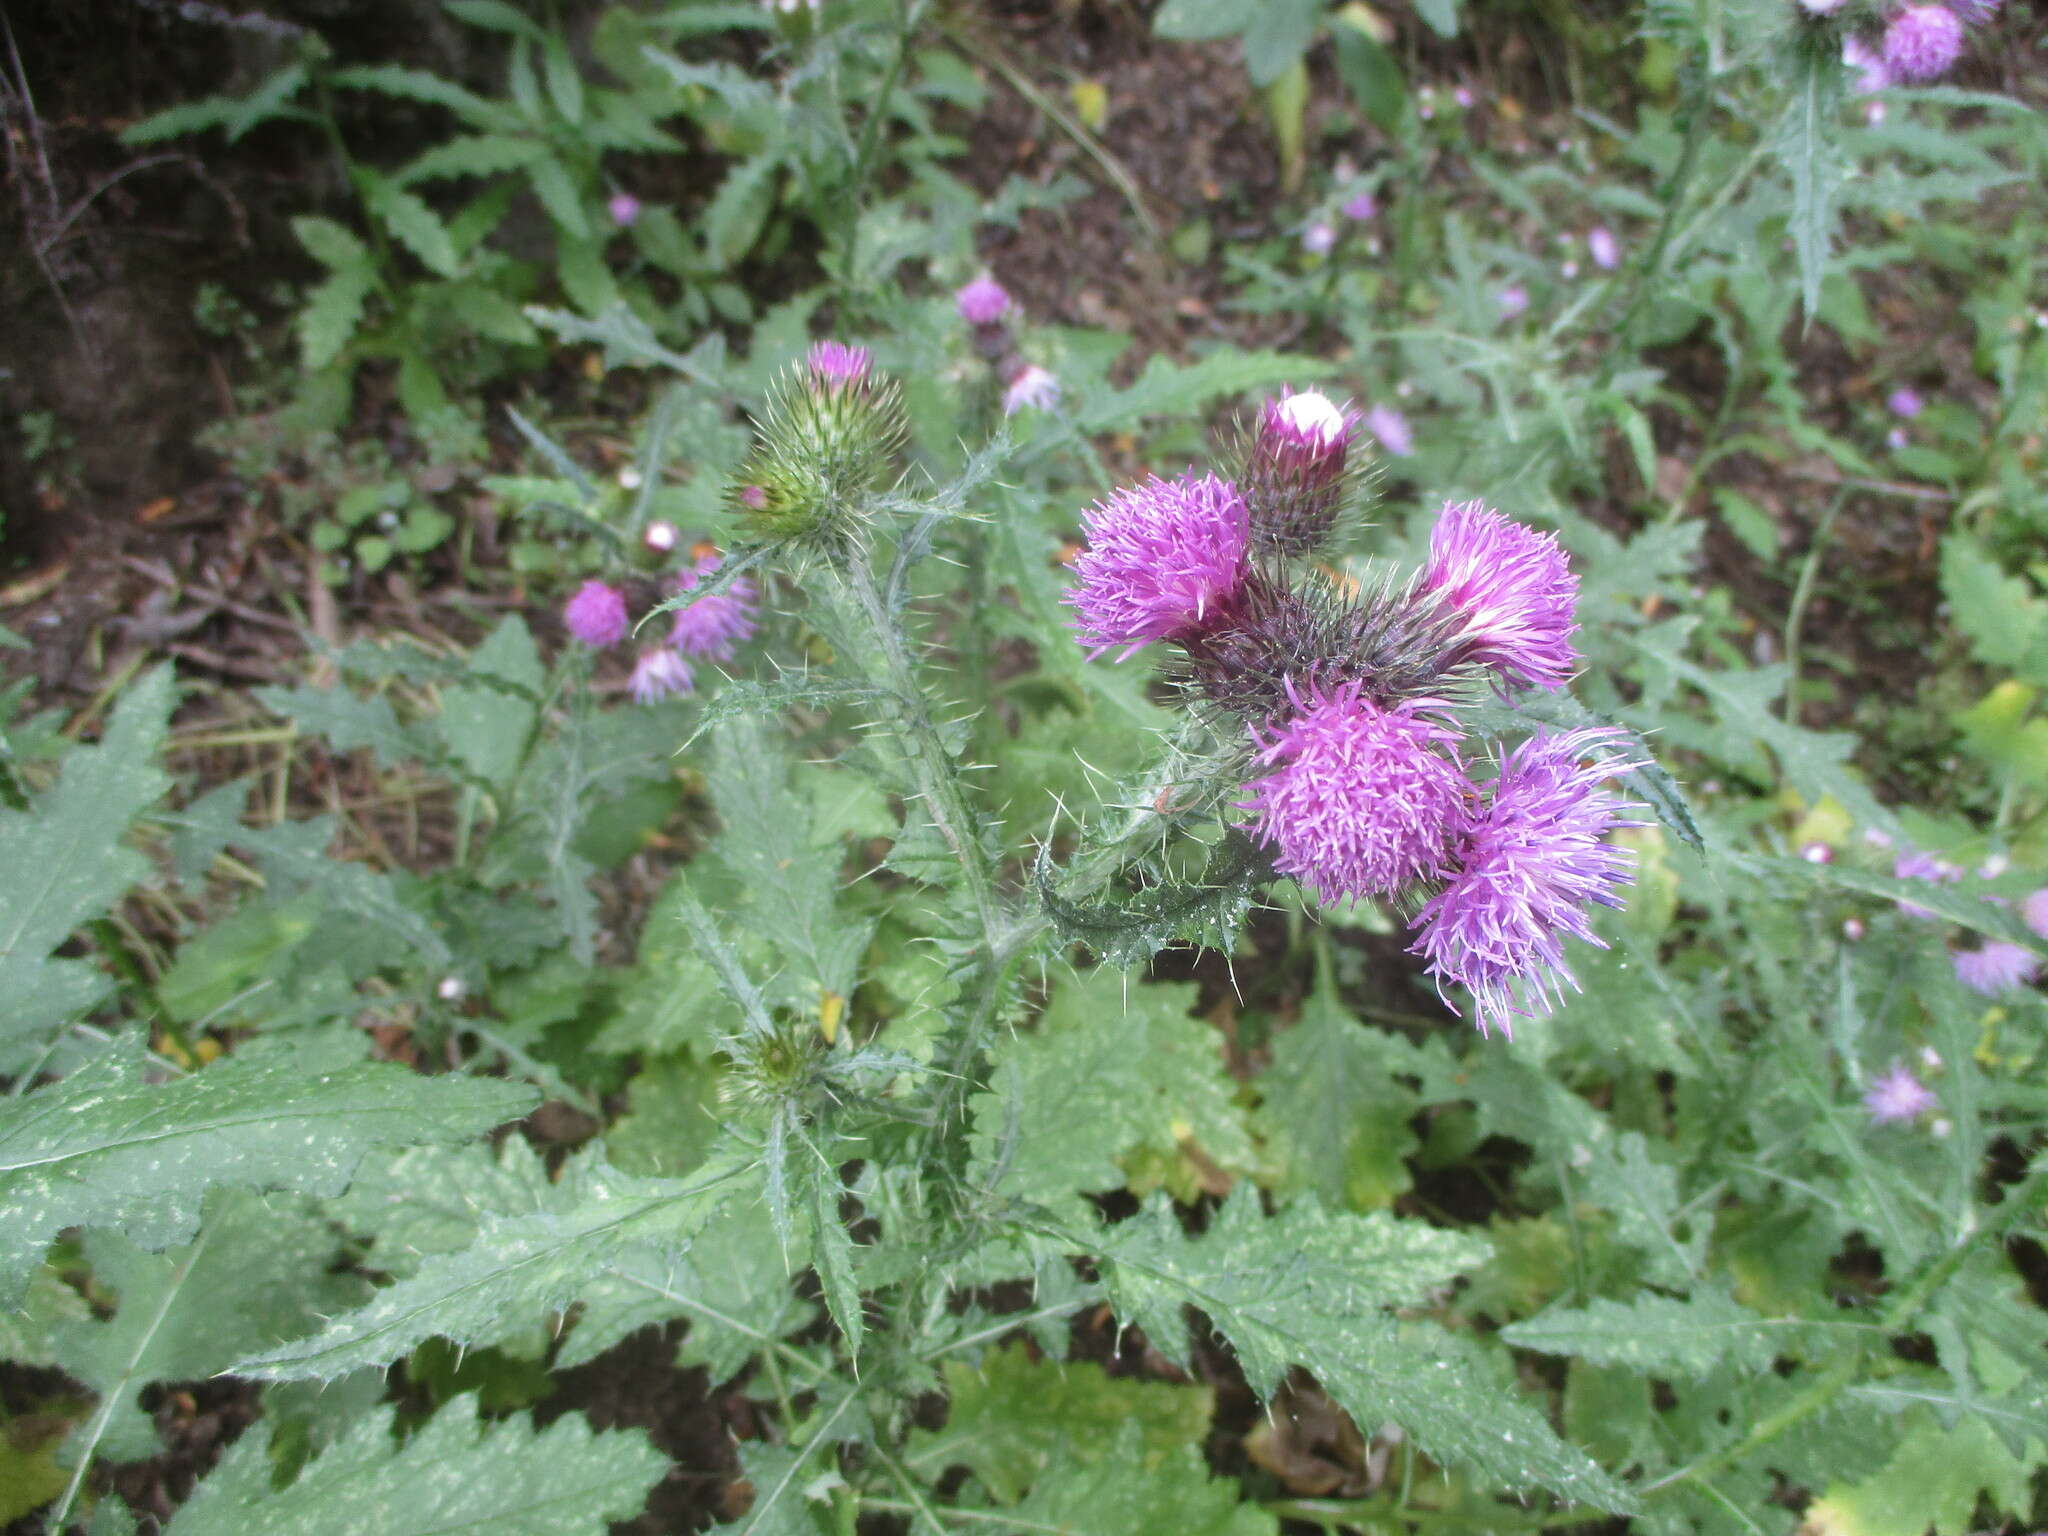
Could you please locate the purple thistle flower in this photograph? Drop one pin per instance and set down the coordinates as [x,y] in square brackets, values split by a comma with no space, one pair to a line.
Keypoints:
[834,362]
[1922,42]
[1904,402]
[1898,1095]
[1034,388]
[2034,912]
[1391,428]
[596,615]
[1514,300]
[1361,208]
[983,301]
[659,673]
[1360,804]
[1320,238]
[1513,590]
[1529,866]
[1165,558]
[1604,248]
[713,625]
[1923,866]
[624,208]
[1996,968]
[1871,74]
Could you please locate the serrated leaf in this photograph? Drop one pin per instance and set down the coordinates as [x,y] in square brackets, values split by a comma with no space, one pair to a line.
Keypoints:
[416,226]
[518,1270]
[1817,168]
[292,856]
[487,723]
[557,193]
[1311,1289]
[482,154]
[419,85]
[1204,20]
[453,1474]
[103,1148]
[1120,1495]
[62,862]
[832,1249]
[1013,1418]
[348,722]
[331,314]
[1168,388]
[1112,1067]
[732,221]
[333,246]
[1656,1335]
[1933,1483]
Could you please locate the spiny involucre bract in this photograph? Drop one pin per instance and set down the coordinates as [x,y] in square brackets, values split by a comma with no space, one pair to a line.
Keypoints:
[1361,800]
[1163,559]
[825,441]
[1529,865]
[1295,476]
[1512,590]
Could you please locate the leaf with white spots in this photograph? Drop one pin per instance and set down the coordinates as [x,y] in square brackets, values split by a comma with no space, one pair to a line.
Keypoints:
[453,1475]
[103,1148]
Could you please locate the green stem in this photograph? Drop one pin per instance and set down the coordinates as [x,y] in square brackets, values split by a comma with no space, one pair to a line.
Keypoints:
[871,130]
[1795,619]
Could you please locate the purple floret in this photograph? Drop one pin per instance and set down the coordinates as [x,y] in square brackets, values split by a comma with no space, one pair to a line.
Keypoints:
[1164,558]
[712,626]
[838,363]
[982,302]
[1529,867]
[596,615]
[1391,428]
[658,674]
[1922,42]
[1513,591]
[1898,1095]
[1923,866]
[1997,968]
[2034,911]
[1360,803]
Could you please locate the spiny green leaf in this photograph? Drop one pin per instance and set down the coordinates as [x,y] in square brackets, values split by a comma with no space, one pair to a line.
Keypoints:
[1121,1493]
[1168,388]
[103,1148]
[331,314]
[415,225]
[454,1474]
[1656,1335]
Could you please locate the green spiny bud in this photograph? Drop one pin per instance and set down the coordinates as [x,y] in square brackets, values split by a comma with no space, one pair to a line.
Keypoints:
[826,441]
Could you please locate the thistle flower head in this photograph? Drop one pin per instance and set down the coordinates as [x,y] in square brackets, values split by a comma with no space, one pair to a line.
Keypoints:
[1164,559]
[1513,592]
[1922,41]
[1904,401]
[983,301]
[1528,867]
[2034,911]
[1294,472]
[824,441]
[1391,428]
[1898,1095]
[1320,238]
[1360,801]
[1923,866]
[1514,300]
[624,208]
[1871,73]
[1360,208]
[1034,388]
[1996,968]
[596,615]
[1603,248]
[659,673]
[713,624]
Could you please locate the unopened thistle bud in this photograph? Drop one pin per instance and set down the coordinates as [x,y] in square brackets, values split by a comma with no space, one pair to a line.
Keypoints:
[825,442]
[1294,474]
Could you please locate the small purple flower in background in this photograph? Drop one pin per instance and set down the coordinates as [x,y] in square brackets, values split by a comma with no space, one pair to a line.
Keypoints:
[624,208]
[1513,591]
[1531,863]
[1361,208]
[1163,558]
[1904,402]
[659,674]
[1922,42]
[1320,238]
[713,625]
[1604,248]
[1359,803]
[1514,300]
[596,615]
[659,537]
[1996,968]
[2034,912]
[1923,866]
[1896,1096]
[1817,853]
[1568,270]
[1871,74]
[1463,97]
[1896,439]
[1034,388]
[1391,428]
[836,363]
[1853,929]
[983,301]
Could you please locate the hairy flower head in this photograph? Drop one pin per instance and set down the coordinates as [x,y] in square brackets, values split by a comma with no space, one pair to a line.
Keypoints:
[1360,801]
[714,624]
[1603,248]
[1996,968]
[596,615]
[837,363]
[659,673]
[1529,866]
[1513,591]
[1034,388]
[1904,401]
[1922,42]
[1164,559]
[1360,208]
[1898,1095]
[983,301]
